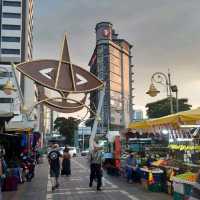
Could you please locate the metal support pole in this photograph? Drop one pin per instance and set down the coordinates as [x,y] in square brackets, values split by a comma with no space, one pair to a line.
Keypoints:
[108,123]
[51,122]
[94,128]
[177,103]
[83,139]
[170,93]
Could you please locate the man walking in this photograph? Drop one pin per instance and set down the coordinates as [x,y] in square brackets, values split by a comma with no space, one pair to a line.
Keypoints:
[54,162]
[96,167]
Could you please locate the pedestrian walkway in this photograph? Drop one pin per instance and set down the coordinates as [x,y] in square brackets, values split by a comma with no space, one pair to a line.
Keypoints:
[76,187]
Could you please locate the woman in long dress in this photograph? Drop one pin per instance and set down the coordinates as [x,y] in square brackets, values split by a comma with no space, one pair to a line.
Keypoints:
[66,165]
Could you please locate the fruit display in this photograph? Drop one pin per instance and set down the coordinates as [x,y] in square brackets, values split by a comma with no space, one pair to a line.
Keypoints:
[184,147]
[188,176]
[167,163]
[159,163]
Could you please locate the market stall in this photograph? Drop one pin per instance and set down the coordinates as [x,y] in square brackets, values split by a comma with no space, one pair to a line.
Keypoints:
[180,151]
[112,153]
[19,157]
[183,185]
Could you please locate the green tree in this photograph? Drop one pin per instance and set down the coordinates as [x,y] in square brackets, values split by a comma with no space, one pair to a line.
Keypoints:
[67,127]
[162,107]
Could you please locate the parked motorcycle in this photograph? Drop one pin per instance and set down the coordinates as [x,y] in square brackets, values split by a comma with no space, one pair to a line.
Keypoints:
[28,168]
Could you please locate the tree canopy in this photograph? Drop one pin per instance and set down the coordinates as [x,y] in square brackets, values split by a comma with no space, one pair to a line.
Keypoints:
[67,127]
[162,107]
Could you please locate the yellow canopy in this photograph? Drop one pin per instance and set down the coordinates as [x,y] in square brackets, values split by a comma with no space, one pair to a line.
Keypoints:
[139,125]
[181,117]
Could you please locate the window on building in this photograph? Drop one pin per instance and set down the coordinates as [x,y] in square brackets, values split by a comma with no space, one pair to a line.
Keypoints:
[116,61]
[115,78]
[115,86]
[12,3]
[115,69]
[6,100]
[10,39]
[10,51]
[11,27]
[5,74]
[115,95]
[105,50]
[11,15]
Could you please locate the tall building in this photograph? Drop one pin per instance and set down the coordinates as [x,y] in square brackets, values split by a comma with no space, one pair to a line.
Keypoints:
[137,115]
[16,22]
[111,62]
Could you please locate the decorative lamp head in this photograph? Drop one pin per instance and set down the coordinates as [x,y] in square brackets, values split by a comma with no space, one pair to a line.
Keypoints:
[8,88]
[152,90]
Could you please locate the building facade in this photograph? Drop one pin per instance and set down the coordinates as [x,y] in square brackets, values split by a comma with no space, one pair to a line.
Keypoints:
[16,22]
[111,62]
[83,137]
[137,115]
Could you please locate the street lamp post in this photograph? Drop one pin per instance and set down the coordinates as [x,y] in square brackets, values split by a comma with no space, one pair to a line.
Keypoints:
[163,79]
[83,140]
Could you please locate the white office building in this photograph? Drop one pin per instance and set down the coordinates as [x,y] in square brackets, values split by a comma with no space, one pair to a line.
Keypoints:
[16,21]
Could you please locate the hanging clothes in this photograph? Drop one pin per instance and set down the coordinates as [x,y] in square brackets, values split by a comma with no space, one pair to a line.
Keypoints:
[24,140]
[37,136]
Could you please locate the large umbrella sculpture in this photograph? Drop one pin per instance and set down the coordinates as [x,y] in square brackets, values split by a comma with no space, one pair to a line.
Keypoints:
[65,78]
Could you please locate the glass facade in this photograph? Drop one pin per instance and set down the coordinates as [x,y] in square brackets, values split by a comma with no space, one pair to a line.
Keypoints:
[12,15]
[12,3]
[102,73]
[6,74]
[6,100]
[10,39]
[10,27]
[10,51]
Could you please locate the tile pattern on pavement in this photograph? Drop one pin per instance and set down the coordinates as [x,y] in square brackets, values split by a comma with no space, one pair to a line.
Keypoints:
[75,187]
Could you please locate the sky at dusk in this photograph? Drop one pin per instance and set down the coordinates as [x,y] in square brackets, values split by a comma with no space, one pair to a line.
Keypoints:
[164,33]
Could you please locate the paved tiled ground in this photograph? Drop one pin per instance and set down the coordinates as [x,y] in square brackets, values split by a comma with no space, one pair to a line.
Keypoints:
[76,187]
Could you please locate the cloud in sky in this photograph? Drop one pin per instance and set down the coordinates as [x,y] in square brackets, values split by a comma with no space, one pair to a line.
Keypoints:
[165,34]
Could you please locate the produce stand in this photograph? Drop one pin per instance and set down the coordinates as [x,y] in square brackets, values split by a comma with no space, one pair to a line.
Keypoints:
[183,184]
[152,179]
[112,154]
[181,153]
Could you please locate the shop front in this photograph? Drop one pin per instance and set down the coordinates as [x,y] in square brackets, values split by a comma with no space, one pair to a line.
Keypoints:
[19,155]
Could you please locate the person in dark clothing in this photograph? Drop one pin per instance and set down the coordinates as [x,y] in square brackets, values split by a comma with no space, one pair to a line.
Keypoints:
[54,162]
[96,167]
[66,165]
[130,165]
